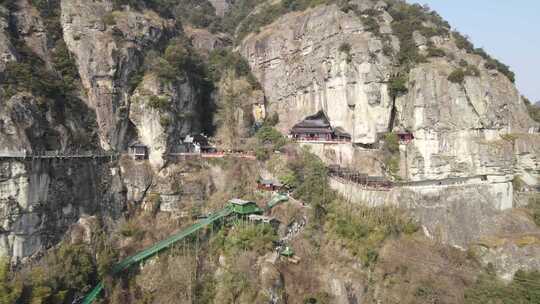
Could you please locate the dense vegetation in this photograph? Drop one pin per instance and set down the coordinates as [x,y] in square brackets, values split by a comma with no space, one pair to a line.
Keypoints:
[391,154]
[237,91]
[524,288]
[30,73]
[534,206]
[407,20]
[458,75]
[244,237]
[62,276]
[268,141]
[463,43]
[534,109]
[267,14]
[362,229]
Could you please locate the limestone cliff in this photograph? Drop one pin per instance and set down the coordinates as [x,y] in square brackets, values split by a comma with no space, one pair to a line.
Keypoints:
[325,58]
[161,128]
[298,62]
[107,56]
[7,51]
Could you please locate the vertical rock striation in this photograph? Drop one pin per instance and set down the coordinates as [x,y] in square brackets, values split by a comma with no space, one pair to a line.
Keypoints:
[109,49]
[303,66]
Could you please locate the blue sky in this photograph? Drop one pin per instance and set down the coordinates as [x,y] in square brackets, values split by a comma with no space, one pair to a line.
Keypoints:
[507,30]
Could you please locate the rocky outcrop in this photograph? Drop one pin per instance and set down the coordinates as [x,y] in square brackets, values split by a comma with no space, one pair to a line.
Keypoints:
[367,161]
[454,211]
[457,126]
[298,62]
[221,6]
[20,123]
[40,199]
[162,127]
[109,48]
[203,40]
[508,253]
[31,29]
[527,154]
[7,51]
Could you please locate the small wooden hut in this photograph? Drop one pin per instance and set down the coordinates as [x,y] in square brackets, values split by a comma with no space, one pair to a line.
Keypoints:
[138,151]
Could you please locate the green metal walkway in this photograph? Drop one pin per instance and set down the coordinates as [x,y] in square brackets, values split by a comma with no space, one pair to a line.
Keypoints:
[168,242]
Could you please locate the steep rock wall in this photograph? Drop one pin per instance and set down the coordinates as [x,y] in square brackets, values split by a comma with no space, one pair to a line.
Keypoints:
[7,51]
[367,161]
[40,199]
[458,214]
[457,126]
[298,62]
[527,154]
[162,129]
[108,56]
[31,29]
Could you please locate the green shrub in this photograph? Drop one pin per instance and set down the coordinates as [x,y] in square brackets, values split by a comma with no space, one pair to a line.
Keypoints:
[272,120]
[65,64]
[370,24]
[159,103]
[472,71]
[245,237]
[362,229]
[58,278]
[457,76]
[318,298]
[435,52]
[534,205]
[311,175]
[224,60]
[253,22]
[345,47]
[387,49]
[407,20]
[463,42]
[165,121]
[10,289]
[534,109]
[397,86]
[391,143]
[391,154]
[109,19]
[130,229]
[267,135]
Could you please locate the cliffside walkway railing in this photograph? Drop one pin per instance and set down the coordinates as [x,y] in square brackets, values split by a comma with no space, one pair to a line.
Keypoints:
[209,155]
[322,141]
[382,184]
[57,154]
[170,241]
[369,182]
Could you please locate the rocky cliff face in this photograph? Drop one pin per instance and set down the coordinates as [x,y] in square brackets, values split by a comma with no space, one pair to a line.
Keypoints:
[302,68]
[107,56]
[41,199]
[7,51]
[298,61]
[161,129]
[457,173]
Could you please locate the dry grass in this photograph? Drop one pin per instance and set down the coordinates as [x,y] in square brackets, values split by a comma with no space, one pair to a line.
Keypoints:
[414,270]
